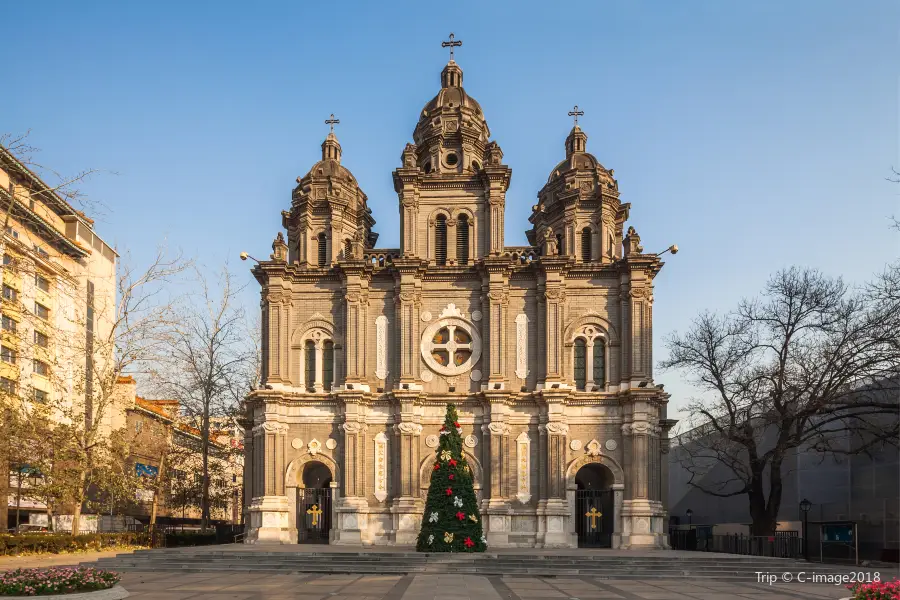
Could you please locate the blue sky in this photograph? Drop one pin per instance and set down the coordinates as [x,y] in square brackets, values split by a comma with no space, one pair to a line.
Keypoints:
[755,135]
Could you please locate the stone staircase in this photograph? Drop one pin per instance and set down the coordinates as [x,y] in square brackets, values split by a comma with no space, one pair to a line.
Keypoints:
[665,565]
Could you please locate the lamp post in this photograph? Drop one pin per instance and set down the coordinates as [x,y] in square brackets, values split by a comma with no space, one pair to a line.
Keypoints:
[673,249]
[805,505]
[689,514]
[245,256]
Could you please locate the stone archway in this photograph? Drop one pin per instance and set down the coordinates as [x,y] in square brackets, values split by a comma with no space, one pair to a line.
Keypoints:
[311,469]
[595,482]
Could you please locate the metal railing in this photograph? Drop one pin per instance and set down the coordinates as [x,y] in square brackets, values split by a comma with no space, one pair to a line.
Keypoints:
[784,544]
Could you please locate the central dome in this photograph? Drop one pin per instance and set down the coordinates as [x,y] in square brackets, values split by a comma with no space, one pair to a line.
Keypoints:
[451,133]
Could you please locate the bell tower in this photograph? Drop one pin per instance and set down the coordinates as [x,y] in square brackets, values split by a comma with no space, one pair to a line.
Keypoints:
[452,183]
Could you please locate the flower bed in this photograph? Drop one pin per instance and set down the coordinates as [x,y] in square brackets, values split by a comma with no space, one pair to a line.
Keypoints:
[29,543]
[60,580]
[881,590]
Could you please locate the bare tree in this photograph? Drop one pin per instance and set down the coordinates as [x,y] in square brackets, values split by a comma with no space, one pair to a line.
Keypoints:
[810,364]
[207,364]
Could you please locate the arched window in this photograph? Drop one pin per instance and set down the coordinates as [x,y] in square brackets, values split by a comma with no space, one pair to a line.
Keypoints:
[440,240]
[323,251]
[328,365]
[586,244]
[348,249]
[580,367]
[462,240]
[559,244]
[310,352]
[599,363]
[611,249]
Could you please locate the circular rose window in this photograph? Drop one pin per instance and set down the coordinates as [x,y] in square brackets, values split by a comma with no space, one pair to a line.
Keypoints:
[451,346]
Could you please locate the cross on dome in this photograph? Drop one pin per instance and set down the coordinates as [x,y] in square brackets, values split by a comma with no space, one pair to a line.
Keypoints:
[451,43]
[331,121]
[573,113]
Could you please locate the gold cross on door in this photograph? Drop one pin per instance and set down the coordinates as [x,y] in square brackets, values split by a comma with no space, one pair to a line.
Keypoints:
[315,511]
[593,514]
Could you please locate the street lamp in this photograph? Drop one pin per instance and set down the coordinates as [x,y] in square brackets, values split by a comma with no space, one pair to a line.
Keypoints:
[673,249]
[689,514]
[245,256]
[805,505]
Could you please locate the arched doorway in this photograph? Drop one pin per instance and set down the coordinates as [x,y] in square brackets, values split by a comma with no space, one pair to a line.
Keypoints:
[594,506]
[314,503]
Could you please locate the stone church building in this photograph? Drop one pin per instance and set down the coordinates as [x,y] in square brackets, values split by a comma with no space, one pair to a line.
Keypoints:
[545,349]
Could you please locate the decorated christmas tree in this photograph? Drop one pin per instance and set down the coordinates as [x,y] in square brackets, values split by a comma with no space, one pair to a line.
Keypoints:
[451,522]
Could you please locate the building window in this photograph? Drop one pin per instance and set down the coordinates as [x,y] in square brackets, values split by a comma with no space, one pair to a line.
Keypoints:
[9,293]
[8,355]
[586,244]
[559,244]
[310,365]
[9,324]
[12,232]
[41,252]
[41,368]
[41,311]
[611,250]
[599,363]
[580,358]
[440,240]
[7,386]
[328,364]
[348,249]
[462,240]
[323,250]
[7,259]
[42,283]
[41,339]
[40,396]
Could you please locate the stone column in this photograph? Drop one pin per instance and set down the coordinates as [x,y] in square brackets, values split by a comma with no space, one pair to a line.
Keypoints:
[643,517]
[269,522]
[319,356]
[554,518]
[589,366]
[409,219]
[407,508]
[496,514]
[351,512]
[451,241]
[618,497]
[301,377]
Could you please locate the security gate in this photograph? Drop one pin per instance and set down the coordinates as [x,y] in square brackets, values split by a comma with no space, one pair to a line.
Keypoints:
[313,515]
[594,518]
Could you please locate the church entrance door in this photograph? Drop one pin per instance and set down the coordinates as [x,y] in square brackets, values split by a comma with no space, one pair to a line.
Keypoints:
[594,507]
[314,505]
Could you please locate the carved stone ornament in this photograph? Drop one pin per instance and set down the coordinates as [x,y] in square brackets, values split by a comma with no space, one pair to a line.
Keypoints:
[351,427]
[296,443]
[381,324]
[426,376]
[314,446]
[522,346]
[409,428]
[558,428]
[451,345]
[611,445]
[331,443]
[475,375]
[425,316]
[450,311]
[497,428]
[523,469]
[380,466]
[471,441]
[592,448]
[575,445]
[476,315]
[432,441]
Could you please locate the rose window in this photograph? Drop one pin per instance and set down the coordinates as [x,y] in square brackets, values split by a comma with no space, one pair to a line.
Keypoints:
[451,346]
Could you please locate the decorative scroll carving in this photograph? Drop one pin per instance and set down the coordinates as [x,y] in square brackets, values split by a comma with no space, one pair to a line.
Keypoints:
[381,466]
[557,428]
[381,324]
[450,311]
[497,428]
[523,488]
[351,427]
[592,448]
[522,346]
[272,427]
[314,446]
[409,428]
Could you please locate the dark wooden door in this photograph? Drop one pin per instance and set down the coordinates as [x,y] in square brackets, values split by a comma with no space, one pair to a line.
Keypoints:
[594,518]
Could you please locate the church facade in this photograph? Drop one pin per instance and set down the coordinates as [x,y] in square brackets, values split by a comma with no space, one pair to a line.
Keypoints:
[545,349]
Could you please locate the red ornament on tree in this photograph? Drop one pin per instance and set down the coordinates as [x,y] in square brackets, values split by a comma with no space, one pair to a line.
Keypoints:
[461,516]
[449,491]
[452,462]
[455,424]
[469,543]
[450,476]
[437,466]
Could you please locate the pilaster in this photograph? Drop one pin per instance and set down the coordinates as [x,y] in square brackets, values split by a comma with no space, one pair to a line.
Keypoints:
[352,509]
[269,522]
[407,507]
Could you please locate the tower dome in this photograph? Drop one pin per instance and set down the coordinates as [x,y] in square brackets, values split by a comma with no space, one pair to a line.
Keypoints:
[451,134]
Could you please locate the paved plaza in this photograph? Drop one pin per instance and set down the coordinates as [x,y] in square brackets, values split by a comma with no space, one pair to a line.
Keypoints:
[243,586]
